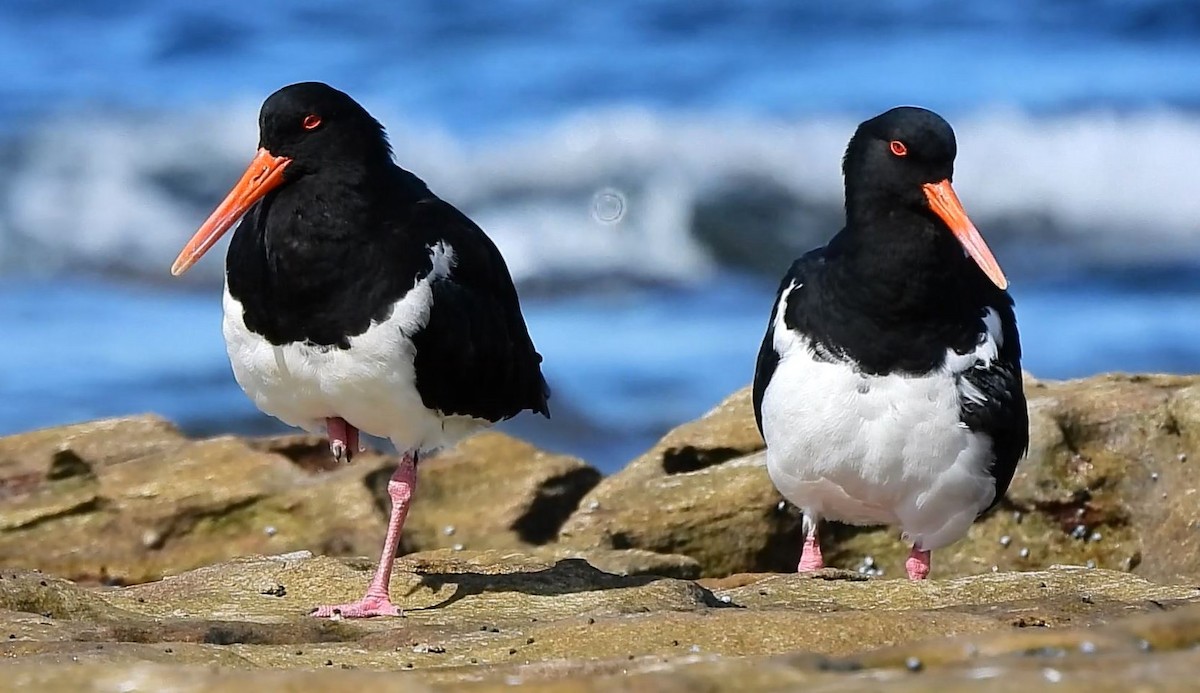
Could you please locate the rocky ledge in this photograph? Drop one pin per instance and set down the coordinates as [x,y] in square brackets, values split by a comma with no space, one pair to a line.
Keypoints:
[137,559]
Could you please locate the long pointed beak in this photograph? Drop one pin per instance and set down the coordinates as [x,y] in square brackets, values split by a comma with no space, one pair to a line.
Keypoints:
[264,174]
[945,204]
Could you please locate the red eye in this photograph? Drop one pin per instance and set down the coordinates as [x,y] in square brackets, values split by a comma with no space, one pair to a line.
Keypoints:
[898,148]
[311,122]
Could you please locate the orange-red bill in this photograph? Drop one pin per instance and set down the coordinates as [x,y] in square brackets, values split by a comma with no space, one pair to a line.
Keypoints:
[944,202]
[264,174]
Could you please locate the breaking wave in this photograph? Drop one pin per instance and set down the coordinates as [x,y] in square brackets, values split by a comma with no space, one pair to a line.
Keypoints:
[628,195]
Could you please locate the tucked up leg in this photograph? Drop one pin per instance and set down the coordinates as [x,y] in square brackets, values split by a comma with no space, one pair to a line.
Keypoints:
[377,601]
[343,438]
[810,555]
[917,564]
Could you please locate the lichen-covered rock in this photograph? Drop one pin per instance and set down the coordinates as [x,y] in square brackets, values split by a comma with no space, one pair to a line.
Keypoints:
[702,491]
[491,491]
[1111,480]
[487,618]
[130,500]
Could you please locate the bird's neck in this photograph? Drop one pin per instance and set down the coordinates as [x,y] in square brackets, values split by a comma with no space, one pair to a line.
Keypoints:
[901,260]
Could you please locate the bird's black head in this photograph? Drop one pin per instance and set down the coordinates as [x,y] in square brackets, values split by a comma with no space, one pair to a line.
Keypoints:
[304,129]
[894,154]
[314,125]
[904,159]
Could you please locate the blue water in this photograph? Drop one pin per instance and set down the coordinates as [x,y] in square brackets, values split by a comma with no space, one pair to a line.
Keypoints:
[702,124]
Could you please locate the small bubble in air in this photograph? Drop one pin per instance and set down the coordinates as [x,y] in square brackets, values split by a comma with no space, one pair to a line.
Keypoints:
[608,206]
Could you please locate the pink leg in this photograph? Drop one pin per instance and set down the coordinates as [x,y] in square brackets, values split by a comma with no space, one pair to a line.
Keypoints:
[810,555]
[377,602]
[343,438]
[917,564]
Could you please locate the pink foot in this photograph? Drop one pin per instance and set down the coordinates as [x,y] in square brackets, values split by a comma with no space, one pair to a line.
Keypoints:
[343,438]
[810,555]
[377,602]
[370,605]
[917,564]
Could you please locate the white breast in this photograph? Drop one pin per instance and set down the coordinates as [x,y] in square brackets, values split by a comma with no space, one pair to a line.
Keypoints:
[865,449]
[372,385]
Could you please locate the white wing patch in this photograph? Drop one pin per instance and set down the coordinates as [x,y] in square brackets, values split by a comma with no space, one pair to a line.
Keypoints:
[980,357]
[785,340]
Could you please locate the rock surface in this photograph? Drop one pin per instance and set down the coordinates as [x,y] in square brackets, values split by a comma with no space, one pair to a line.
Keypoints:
[487,619]
[130,500]
[1111,479]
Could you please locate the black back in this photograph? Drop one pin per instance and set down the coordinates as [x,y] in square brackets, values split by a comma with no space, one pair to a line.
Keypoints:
[349,233]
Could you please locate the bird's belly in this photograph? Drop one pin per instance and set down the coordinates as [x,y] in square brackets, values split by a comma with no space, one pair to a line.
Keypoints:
[372,384]
[868,449]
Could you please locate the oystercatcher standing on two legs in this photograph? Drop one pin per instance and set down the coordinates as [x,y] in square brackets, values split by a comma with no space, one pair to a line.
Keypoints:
[356,299]
[888,386]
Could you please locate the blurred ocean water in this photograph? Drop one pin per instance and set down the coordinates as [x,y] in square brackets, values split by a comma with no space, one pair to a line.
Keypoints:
[648,169]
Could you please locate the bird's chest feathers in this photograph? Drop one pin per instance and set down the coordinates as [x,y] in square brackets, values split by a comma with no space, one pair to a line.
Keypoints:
[823,418]
[370,373]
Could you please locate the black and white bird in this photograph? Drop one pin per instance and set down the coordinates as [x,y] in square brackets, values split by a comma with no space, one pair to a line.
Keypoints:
[888,386]
[356,299]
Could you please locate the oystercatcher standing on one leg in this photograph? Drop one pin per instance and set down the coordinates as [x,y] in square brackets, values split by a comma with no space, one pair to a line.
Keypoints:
[356,299]
[888,386]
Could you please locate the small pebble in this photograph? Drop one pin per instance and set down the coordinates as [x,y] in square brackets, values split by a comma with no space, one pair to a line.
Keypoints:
[675,643]
[528,641]
[1005,540]
[594,505]
[1024,552]
[1091,563]
[782,505]
[1080,512]
[168,650]
[270,530]
[494,629]
[474,660]
[1080,532]
[299,652]
[591,621]
[458,547]
[483,629]
[694,648]
[1154,476]
[1087,599]
[1052,675]
[913,664]
[428,649]
[1144,645]
[512,650]
[725,599]
[408,665]
[1183,457]
[448,530]
[1017,516]
[329,662]
[995,569]
[12,636]
[1087,647]
[1095,536]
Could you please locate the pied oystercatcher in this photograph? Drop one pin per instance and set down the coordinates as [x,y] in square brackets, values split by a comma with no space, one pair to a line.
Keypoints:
[356,299]
[888,385]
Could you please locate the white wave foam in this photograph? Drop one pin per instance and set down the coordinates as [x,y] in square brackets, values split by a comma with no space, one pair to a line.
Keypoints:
[125,192]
